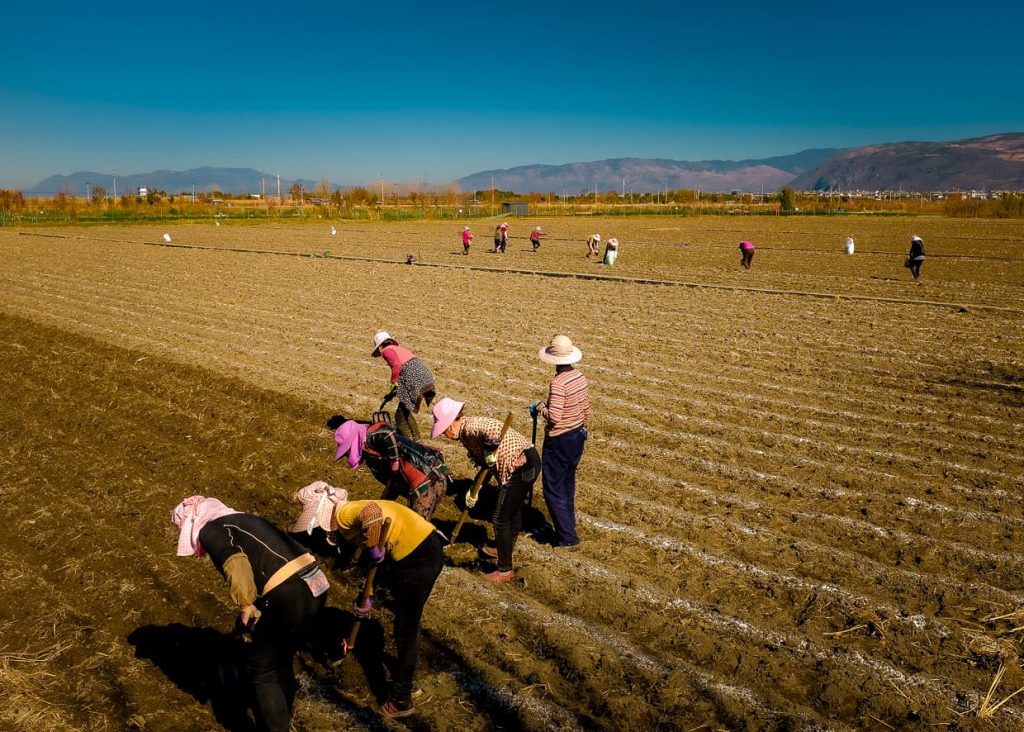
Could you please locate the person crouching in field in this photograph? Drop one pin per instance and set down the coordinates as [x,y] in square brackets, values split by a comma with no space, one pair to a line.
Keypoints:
[467,238]
[410,380]
[275,582]
[916,256]
[535,236]
[746,254]
[592,244]
[516,465]
[402,465]
[565,416]
[416,553]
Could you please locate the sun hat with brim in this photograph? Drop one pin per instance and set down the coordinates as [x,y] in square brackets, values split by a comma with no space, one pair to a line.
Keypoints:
[560,351]
[445,412]
[379,339]
[319,501]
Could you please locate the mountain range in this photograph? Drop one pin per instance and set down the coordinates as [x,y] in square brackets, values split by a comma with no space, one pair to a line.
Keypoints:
[225,180]
[995,162]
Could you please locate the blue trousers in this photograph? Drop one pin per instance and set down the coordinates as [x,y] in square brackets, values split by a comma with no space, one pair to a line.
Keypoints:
[561,456]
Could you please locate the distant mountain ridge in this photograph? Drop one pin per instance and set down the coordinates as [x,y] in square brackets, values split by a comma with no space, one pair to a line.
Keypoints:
[643,175]
[994,162]
[205,179]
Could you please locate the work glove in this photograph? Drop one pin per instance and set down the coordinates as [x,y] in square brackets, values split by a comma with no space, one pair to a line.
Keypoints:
[362,611]
[490,459]
[533,409]
[375,555]
[470,499]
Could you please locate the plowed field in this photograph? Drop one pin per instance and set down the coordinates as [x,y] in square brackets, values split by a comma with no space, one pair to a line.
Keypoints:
[800,504]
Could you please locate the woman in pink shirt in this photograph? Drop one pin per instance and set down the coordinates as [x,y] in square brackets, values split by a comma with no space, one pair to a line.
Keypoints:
[746,254]
[411,382]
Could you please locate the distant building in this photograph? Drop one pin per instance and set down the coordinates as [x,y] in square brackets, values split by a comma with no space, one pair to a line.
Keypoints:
[143,191]
[515,208]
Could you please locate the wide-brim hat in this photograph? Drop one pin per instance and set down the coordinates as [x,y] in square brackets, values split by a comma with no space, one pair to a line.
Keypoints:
[379,338]
[319,500]
[560,351]
[445,412]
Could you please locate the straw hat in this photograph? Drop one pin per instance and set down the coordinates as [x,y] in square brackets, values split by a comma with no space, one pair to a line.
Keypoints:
[445,412]
[378,338]
[560,351]
[319,501]
[597,237]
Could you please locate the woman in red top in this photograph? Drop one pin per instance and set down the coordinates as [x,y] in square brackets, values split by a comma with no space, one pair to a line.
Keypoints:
[411,382]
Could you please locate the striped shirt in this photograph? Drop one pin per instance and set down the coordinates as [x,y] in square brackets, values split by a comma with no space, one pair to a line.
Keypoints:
[479,435]
[568,405]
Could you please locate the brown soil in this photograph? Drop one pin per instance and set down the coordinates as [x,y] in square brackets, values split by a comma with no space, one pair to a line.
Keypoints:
[797,512]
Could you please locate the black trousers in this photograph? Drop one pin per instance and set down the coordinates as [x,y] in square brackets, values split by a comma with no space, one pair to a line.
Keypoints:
[411,581]
[508,513]
[286,619]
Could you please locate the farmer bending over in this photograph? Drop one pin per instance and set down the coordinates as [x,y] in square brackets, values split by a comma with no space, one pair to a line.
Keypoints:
[404,466]
[410,380]
[416,553]
[274,581]
[515,463]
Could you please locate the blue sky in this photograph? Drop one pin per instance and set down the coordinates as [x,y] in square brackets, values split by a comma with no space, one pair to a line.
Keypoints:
[435,91]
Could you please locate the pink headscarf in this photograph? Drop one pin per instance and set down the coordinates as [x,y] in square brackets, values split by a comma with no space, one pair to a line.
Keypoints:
[351,437]
[191,515]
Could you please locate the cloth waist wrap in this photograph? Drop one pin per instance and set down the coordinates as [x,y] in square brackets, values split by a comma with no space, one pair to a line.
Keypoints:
[296,565]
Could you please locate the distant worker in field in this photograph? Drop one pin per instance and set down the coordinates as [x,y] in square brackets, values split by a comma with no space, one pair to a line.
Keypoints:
[535,236]
[592,244]
[611,252]
[565,415]
[515,463]
[746,254]
[414,551]
[410,380]
[501,237]
[405,467]
[467,239]
[916,257]
[275,582]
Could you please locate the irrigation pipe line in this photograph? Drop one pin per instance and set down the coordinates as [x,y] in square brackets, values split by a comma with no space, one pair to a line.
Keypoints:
[761,247]
[560,275]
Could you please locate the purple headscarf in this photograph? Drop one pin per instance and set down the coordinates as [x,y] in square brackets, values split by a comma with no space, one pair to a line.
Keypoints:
[350,438]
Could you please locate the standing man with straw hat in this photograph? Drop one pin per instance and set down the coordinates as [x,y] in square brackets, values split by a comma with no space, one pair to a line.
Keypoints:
[276,583]
[416,553]
[565,416]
